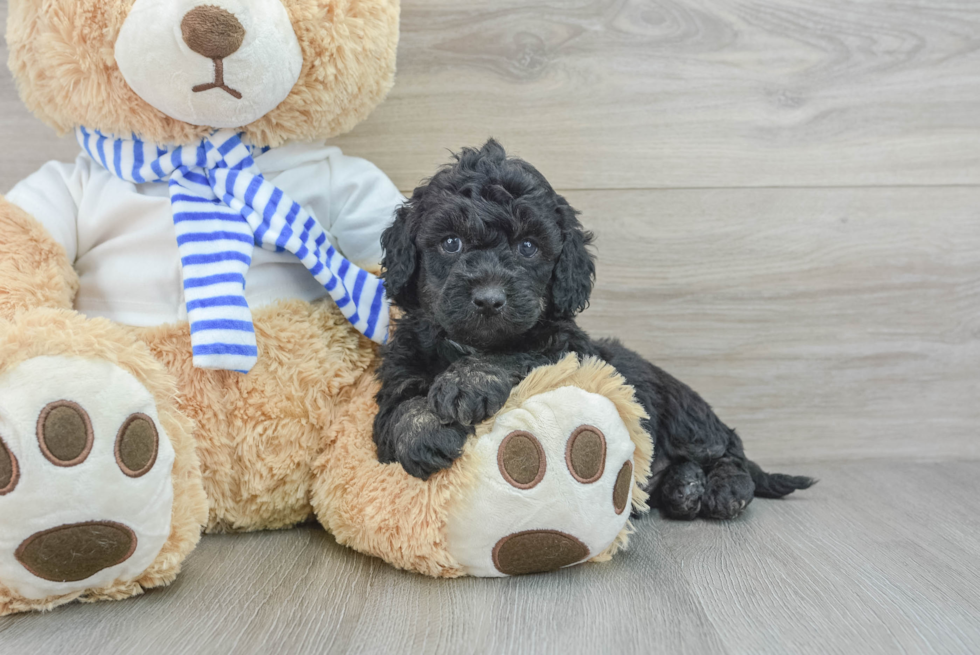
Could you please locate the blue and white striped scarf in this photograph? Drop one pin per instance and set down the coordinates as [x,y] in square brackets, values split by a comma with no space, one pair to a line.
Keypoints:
[222,207]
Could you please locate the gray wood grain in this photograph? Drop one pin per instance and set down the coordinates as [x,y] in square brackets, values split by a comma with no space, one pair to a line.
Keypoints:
[643,93]
[879,557]
[821,323]
[693,93]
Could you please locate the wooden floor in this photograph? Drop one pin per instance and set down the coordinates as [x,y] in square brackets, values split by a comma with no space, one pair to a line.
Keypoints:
[787,200]
[880,557]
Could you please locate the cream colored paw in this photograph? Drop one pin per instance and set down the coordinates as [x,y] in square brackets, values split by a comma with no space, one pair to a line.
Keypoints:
[555,484]
[85,477]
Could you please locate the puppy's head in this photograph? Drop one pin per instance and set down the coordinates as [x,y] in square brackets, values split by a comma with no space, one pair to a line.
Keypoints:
[487,250]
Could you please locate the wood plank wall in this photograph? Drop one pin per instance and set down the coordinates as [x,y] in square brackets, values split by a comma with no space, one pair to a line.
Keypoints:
[786,193]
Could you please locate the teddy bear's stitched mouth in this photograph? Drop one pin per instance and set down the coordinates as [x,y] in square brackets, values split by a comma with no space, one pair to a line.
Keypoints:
[219,81]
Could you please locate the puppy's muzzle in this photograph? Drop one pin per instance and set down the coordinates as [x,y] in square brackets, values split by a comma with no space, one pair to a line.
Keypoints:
[489,299]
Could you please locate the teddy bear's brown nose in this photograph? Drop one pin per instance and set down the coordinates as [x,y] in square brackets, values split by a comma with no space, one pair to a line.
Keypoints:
[212,32]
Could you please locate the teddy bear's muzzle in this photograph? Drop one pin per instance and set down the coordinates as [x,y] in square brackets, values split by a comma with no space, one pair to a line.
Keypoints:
[233,61]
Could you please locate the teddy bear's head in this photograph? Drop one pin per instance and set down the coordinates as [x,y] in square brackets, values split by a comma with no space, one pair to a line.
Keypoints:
[171,71]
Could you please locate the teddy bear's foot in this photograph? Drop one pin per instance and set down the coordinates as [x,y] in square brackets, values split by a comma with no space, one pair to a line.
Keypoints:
[556,479]
[85,480]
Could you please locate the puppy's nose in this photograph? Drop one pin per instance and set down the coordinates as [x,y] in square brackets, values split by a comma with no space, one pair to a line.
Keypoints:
[490,298]
[212,32]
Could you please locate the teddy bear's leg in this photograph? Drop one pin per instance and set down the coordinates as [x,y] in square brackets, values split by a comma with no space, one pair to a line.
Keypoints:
[550,481]
[258,434]
[379,509]
[100,488]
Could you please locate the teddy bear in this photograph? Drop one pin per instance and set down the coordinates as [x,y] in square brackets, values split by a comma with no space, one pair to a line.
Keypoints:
[191,316]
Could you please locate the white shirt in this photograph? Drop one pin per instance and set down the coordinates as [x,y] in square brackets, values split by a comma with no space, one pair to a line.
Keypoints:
[121,236]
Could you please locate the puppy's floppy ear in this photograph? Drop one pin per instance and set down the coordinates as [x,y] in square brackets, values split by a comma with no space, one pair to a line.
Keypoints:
[574,274]
[400,260]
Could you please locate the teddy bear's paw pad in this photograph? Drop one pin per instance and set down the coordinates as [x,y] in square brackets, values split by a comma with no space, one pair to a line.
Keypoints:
[521,460]
[537,551]
[554,478]
[586,454]
[623,487]
[85,477]
[70,553]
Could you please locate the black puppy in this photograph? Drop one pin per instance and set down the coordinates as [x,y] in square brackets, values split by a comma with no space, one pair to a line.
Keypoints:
[490,267]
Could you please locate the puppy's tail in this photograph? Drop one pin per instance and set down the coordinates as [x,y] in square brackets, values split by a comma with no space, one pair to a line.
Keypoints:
[777,485]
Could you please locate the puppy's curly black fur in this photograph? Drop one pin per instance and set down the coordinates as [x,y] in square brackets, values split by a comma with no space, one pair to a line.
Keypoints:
[490,267]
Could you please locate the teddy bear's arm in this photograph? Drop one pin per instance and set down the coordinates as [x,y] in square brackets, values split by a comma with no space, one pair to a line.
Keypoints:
[39,238]
[34,268]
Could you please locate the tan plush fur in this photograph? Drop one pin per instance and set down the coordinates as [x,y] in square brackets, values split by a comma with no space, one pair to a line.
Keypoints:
[62,57]
[54,332]
[380,510]
[34,270]
[292,439]
[289,441]
[259,434]
[377,508]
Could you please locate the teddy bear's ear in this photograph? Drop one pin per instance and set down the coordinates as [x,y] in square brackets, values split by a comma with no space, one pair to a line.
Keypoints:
[400,260]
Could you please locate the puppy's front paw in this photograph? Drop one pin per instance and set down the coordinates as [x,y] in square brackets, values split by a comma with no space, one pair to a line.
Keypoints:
[682,489]
[468,396]
[428,453]
[424,445]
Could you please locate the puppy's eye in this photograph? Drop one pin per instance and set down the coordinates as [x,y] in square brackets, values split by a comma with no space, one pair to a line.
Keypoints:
[452,244]
[527,249]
